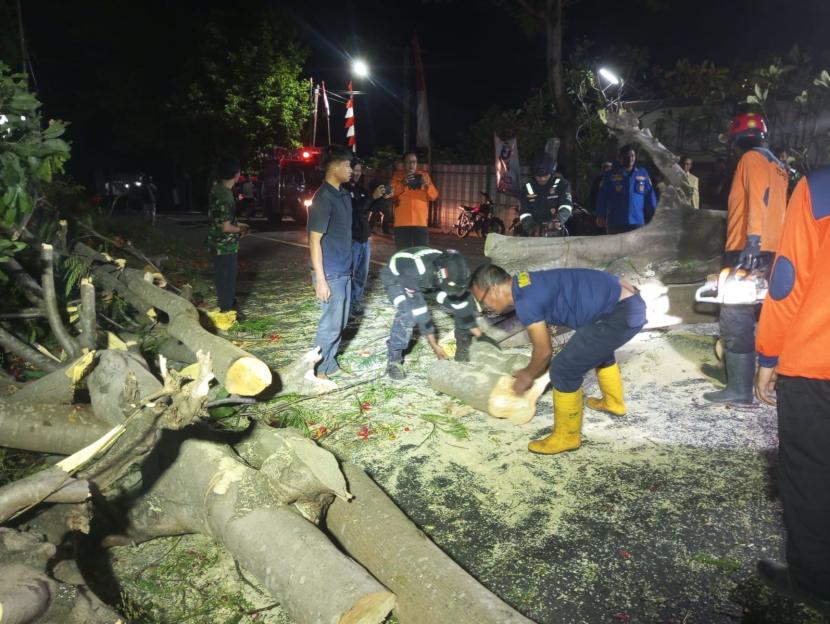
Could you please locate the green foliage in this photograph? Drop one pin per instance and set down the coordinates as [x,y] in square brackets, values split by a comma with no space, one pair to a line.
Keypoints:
[29,154]
[257,325]
[74,270]
[242,90]
[447,424]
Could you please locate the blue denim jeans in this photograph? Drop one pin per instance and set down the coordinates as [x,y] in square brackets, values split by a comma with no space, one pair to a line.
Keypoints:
[361,252]
[334,314]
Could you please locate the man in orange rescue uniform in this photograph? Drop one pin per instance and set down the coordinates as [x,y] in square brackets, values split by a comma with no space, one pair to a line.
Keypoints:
[757,203]
[794,346]
[412,190]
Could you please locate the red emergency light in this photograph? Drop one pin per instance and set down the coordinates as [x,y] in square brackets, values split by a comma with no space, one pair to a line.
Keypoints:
[306,154]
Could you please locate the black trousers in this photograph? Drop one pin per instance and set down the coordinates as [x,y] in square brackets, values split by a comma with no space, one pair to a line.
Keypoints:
[411,236]
[593,345]
[737,322]
[804,475]
[224,277]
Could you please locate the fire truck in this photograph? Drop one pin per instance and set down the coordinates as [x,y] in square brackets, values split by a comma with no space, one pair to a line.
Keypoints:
[290,177]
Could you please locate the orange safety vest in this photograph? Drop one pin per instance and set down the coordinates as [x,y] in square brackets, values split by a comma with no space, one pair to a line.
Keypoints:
[412,205]
[757,201]
[795,319]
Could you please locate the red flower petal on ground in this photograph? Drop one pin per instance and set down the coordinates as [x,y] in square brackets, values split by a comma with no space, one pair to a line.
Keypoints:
[622,617]
[406,428]
[274,337]
[624,554]
[365,406]
[322,431]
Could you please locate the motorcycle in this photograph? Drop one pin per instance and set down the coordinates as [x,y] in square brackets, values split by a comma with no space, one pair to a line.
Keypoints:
[479,219]
[581,223]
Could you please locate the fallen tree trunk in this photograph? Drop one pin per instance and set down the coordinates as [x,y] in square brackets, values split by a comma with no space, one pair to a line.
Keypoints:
[22,350]
[430,587]
[206,490]
[239,371]
[51,485]
[680,245]
[58,387]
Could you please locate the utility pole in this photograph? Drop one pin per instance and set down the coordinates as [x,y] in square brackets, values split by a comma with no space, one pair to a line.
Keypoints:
[406,97]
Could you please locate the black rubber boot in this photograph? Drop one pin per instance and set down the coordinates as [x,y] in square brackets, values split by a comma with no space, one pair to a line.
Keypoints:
[740,377]
[394,365]
[463,340]
[777,576]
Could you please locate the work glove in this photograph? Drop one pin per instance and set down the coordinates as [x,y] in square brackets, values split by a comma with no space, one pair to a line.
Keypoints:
[488,340]
[751,252]
[563,214]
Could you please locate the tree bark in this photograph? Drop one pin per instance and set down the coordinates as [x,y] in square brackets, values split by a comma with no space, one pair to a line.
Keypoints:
[28,285]
[86,316]
[59,387]
[50,300]
[49,485]
[58,429]
[206,490]
[240,372]
[485,383]
[431,588]
[13,344]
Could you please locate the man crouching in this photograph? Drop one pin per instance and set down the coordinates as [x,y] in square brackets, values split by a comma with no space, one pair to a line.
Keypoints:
[605,311]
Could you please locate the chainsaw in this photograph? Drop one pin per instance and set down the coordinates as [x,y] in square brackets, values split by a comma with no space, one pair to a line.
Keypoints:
[734,287]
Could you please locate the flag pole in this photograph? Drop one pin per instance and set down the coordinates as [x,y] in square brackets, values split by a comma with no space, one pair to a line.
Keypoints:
[316,108]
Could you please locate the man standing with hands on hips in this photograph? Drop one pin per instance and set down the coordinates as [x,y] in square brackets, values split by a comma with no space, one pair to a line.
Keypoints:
[330,246]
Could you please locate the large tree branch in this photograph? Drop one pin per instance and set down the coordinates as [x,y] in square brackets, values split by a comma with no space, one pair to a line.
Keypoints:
[86,315]
[51,301]
[13,344]
[28,285]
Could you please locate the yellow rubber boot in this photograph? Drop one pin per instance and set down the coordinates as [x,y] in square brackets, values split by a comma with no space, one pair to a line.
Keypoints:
[567,425]
[222,321]
[610,384]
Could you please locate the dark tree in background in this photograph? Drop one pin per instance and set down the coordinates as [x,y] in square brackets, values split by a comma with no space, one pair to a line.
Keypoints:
[163,87]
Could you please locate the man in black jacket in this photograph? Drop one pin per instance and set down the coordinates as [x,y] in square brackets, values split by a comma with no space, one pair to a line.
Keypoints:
[409,274]
[362,204]
[546,198]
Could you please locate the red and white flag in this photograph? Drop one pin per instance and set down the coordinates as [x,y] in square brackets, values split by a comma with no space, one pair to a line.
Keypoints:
[351,140]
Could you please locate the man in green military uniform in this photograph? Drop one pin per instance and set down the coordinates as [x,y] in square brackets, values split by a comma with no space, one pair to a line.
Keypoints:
[223,241]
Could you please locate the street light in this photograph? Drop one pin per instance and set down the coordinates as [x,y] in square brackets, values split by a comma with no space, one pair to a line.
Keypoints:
[609,76]
[360,68]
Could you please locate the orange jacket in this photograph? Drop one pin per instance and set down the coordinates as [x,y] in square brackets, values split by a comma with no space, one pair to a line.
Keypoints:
[757,201]
[794,329]
[411,205]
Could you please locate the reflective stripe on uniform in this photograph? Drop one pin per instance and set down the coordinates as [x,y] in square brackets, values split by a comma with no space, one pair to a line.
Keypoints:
[523,215]
[459,306]
[416,258]
[441,296]
[420,311]
[398,300]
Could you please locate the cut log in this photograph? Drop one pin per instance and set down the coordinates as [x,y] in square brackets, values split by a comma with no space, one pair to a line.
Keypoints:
[240,372]
[485,383]
[430,587]
[206,490]
[89,328]
[107,381]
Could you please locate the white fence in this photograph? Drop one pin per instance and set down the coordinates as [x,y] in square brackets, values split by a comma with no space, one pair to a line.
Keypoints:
[461,185]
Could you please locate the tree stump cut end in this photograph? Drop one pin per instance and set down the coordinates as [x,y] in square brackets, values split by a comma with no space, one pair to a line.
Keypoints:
[247,376]
[371,609]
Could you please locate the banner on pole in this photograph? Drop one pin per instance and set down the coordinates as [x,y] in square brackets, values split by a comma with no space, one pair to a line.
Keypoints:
[422,132]
[508,174]
[351,140]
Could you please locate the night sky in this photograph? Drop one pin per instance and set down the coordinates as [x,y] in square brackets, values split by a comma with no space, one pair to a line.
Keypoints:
[477,55]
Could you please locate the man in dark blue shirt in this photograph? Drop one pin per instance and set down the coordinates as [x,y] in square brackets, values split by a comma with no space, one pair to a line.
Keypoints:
[626,196]
[605,311]
[330,246]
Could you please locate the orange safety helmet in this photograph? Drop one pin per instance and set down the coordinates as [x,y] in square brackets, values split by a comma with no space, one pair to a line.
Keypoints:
[748,125]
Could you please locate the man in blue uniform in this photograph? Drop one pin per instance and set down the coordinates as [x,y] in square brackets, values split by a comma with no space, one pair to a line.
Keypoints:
[605,311]
[546,198]
[626,197]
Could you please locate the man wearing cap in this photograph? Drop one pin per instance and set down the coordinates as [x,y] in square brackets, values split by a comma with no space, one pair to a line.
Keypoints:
[626,197]
[546,198]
